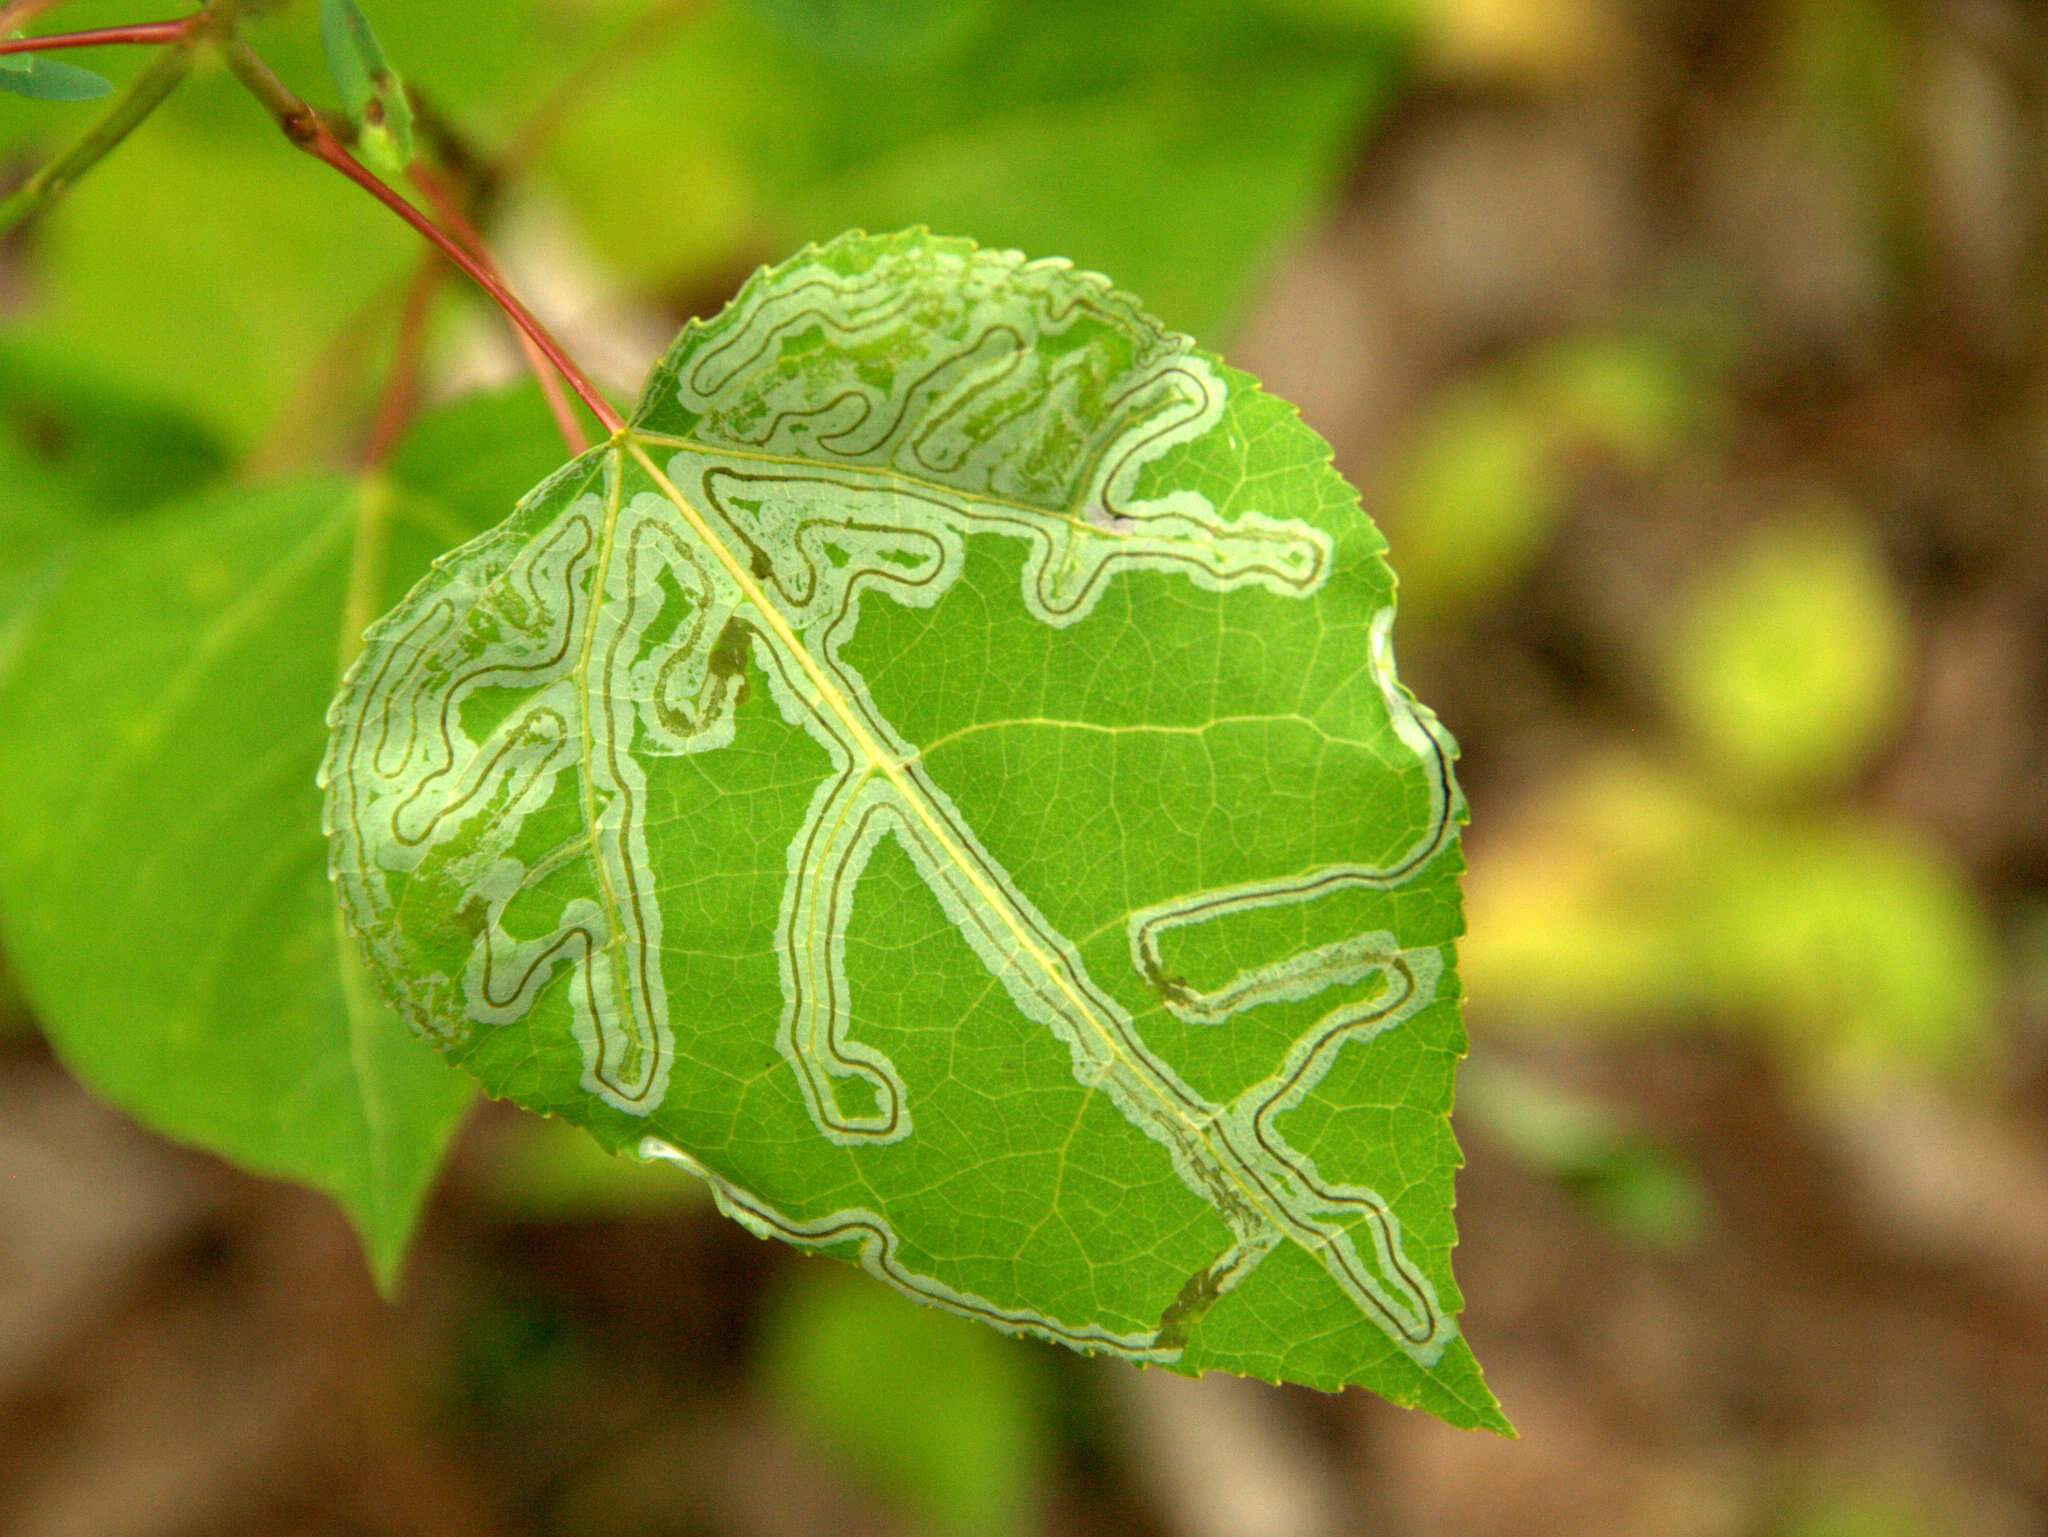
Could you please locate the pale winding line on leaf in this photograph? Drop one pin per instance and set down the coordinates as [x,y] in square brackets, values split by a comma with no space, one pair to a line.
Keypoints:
[806,497]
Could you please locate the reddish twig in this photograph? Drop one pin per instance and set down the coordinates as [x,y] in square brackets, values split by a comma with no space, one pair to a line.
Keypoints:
[96,37]
[303,126]
[451,215]
[402,383]
[310,134]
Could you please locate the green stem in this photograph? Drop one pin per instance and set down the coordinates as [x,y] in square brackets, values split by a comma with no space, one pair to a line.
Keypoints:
[145,93]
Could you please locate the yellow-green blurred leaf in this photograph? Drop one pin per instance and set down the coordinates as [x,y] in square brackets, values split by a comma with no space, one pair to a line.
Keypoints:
[1480,493]
[1788,664]
[1474,504]
[1635,901]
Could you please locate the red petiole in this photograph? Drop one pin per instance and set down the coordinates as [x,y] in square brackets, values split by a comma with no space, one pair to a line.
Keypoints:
[452,216]
[152,32]
[304,127]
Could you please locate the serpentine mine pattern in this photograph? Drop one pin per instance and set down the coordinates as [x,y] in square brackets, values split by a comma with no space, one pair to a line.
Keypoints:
[771,558]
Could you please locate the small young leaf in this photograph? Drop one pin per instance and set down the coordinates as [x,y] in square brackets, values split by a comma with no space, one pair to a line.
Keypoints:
[29,74]
[370,90]
[939,775]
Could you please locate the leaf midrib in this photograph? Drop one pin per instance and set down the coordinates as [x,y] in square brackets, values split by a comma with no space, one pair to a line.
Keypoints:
[914,798]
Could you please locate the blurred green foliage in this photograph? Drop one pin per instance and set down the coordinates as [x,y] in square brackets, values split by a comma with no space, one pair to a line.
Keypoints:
[1635,899]
[1624,1177]
[170,273]
[1720,882]
[945,1419]
[693,141]
[1789,661]
[1484,484]
[1025,124]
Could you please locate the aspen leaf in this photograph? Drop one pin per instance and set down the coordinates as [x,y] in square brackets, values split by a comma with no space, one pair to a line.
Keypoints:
[938,775]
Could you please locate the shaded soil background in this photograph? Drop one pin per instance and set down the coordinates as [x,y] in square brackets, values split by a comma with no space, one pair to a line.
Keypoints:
[1755,1231]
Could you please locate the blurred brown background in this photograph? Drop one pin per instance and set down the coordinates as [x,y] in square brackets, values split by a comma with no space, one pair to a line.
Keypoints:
[1693,357]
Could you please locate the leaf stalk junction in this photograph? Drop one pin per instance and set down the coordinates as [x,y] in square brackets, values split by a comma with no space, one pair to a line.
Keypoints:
[309,131]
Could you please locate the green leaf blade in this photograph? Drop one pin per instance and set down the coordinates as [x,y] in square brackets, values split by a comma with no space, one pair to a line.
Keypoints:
[939,775]
[163,883]
[178,834]
[75,455]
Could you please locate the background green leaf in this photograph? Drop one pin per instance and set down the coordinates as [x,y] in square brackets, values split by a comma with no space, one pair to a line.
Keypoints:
[28,74]
[1177,143]
[74,455]
[162,881]
[993,758]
